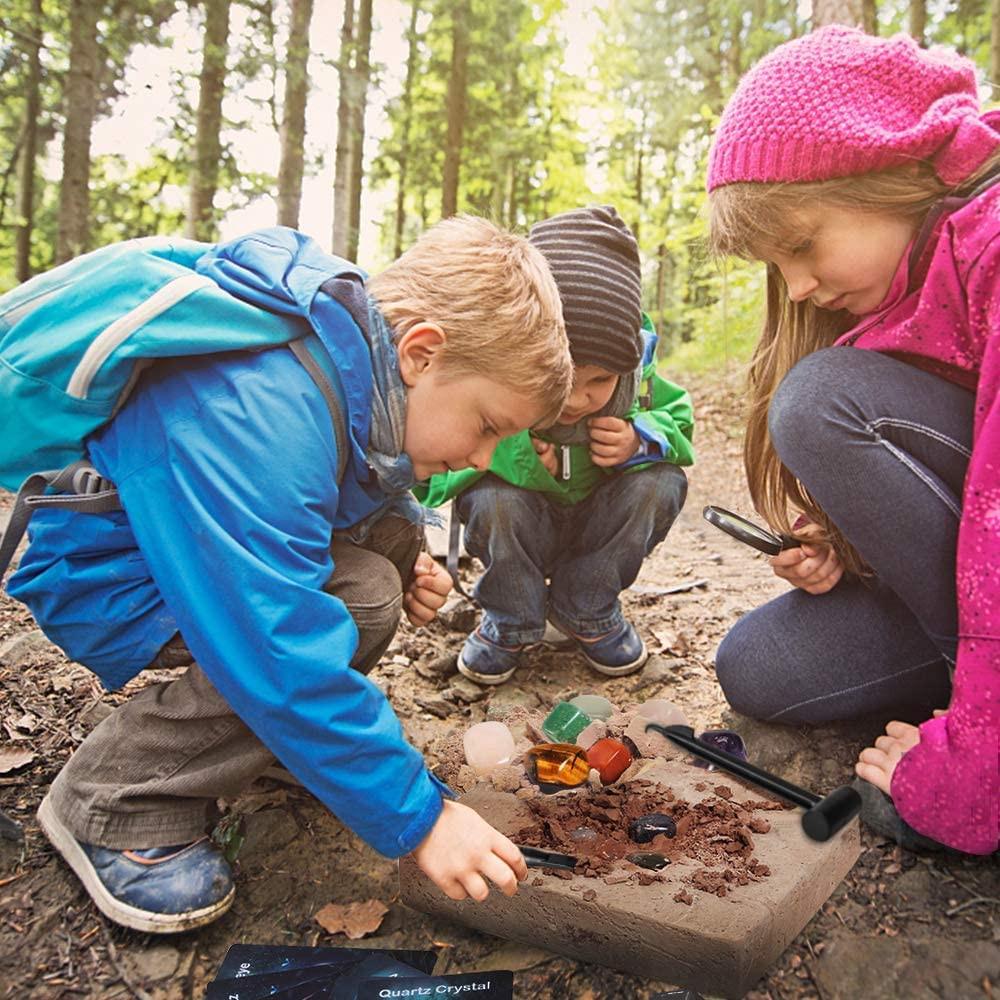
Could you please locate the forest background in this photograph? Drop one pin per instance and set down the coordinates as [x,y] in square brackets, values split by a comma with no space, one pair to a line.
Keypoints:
[365,122]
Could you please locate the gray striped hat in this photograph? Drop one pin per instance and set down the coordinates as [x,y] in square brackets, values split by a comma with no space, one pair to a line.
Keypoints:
[594,259]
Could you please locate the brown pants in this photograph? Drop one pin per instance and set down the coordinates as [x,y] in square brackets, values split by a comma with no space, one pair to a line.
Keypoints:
[149,774]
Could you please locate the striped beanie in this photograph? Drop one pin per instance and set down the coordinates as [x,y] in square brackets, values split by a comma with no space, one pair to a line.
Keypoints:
[838,102]
[594,259]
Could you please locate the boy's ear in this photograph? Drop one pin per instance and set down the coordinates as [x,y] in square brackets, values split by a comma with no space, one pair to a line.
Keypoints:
[418,349]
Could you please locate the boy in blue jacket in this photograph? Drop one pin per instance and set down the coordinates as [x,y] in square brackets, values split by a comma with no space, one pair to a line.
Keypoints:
[239,553]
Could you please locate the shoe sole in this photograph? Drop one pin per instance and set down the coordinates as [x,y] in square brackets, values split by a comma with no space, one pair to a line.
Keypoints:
[479,678]
[622,671]
[114,909]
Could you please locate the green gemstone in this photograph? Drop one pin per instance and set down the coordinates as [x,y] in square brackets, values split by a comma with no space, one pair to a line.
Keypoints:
[565,722]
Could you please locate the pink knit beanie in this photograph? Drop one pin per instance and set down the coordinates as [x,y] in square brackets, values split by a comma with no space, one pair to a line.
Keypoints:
[838,102]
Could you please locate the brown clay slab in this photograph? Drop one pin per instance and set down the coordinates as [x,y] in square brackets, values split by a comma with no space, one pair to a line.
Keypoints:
[716,945]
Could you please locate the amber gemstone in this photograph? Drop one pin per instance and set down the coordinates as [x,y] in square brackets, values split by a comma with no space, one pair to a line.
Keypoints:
[610,757]
[563,765]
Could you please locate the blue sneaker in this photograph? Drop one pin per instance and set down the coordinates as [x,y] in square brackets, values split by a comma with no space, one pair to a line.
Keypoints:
[161,890]
[486,662]
[621,651]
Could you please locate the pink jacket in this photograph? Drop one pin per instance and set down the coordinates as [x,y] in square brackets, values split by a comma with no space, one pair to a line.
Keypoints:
[948,786]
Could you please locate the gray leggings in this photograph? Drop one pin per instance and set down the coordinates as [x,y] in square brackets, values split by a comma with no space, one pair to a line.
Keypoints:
[883,447]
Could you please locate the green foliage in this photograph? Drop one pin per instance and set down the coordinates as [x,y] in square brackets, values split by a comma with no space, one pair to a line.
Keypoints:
[523,156]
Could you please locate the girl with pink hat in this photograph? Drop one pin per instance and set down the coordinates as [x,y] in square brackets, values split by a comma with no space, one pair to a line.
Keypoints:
[862,171]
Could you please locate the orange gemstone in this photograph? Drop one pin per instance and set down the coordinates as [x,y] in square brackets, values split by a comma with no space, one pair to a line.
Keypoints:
[611,759]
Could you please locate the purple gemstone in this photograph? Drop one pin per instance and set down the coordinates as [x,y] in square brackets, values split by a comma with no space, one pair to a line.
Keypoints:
[721,739]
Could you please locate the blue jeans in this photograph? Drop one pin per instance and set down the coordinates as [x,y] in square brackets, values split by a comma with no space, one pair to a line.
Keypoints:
[589,552]
[883,448]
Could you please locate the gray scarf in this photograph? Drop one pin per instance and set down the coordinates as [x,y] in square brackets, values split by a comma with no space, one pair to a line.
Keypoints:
[617,406]
[391,465]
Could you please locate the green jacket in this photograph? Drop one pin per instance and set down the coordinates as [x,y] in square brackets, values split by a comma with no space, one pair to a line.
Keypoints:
[662,414]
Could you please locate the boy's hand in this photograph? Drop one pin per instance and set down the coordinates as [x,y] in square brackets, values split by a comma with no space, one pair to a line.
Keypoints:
[814,568]
[612,440]
[546,452]
[463,851]
[429,589]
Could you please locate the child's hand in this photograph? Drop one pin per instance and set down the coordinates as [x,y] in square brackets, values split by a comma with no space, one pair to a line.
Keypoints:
[462,851]
[612,440]
[429,589]
[814,568]
[546,452]
[877,764]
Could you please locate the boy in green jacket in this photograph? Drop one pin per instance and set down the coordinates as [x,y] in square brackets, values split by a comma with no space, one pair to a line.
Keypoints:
[564,518]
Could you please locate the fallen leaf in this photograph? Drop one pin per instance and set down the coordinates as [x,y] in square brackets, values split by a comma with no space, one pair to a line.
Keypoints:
[11,759]
[353,919]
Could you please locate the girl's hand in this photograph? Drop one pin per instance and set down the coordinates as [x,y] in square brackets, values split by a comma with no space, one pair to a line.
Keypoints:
[546,452]
[612,440]
[429,590]
[877,764]
[462,853]
[814,568]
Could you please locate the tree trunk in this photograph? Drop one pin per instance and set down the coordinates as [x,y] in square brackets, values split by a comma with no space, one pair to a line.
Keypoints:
[638,178]
[662,264]
[342,169]
[26,169]
[918,20]
[293,120]
[404,146]
[208,144]
[457,82]
[515,193]
[869,16]
[81,102]
[362,72]
[995,42]
[836,12]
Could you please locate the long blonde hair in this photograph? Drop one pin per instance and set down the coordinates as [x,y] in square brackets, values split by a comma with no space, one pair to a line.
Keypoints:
[751,219]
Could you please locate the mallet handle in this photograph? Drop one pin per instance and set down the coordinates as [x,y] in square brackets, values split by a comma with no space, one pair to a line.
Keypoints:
[684,737]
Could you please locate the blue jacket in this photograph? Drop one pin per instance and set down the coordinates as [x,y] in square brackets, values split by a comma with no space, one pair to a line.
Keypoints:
[226,467]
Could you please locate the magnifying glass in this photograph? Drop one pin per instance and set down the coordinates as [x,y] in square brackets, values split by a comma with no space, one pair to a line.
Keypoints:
[747,532]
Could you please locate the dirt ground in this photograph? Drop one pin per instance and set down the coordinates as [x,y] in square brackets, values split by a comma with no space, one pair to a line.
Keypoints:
[900,925]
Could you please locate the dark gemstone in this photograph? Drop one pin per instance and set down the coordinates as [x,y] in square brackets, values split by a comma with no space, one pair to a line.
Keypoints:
[722,739]
[653,861]
[645,828]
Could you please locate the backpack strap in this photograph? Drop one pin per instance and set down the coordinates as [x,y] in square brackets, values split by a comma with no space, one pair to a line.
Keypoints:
[81,488]
[327,380]
[78,487]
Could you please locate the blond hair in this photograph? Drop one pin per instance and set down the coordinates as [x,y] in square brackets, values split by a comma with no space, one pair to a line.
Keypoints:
[751,220]
[493,295]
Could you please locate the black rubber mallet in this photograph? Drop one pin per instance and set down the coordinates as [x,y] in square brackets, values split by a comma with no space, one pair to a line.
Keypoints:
[823,817]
